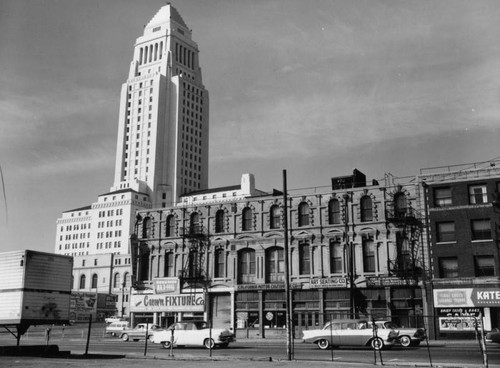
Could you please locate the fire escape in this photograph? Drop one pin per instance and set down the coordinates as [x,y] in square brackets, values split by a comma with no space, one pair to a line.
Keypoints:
[195,242]
[407,226]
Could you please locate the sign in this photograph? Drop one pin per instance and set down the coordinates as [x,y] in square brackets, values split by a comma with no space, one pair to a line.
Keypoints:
[278,286]
[467,297]
[82,305]
[458,319]
[167,303]
[166,285]
[332,282]
[389,281]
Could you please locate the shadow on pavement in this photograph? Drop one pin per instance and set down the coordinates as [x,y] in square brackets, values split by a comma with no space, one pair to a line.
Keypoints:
[51,351]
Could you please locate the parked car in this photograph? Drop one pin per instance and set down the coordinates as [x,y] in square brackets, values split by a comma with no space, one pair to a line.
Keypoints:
[193,333]
[356,332]
[138,332]
[112,319]
[407,336]
[116,328]
[493,336]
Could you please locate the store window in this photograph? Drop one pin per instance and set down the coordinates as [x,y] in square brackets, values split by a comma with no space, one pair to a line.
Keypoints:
[275,264]
[247,309]
[448,267]
[246,266]
[481,229]
[484,266]
[445,231]
[274,309]
[334,212]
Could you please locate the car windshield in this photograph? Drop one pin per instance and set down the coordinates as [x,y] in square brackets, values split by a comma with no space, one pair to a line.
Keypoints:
[391,325]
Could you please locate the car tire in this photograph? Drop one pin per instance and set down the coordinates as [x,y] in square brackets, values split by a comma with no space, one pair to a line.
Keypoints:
[377,343]
[323,344]
[209,343]
[166,344]
[405,341]
[125,337]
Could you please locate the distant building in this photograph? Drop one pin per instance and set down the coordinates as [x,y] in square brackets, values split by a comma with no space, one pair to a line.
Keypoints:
[162,147]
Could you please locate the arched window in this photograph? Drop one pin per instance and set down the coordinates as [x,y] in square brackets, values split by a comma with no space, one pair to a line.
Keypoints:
[170,226]
[246,266]
[246,223]
[194,225]
[116,281]
[219,221]
[275,220]
[303,214]
[275,264]
[400,205]
[146,227]
[94,281]
[366,209]
[82,281]
[219,263]
[126,279]
[334,212]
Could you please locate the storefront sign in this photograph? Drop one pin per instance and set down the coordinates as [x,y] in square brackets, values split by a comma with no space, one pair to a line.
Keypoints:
[467,297]
[166,285]
[389,281]
[167,303]
[458,319]
[275,286]
[332,282]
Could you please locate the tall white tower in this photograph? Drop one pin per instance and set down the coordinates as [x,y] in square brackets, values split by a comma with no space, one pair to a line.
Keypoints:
[162,145]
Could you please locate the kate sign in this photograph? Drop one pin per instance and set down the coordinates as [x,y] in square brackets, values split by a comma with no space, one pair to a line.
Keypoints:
[467,297]
[167,303]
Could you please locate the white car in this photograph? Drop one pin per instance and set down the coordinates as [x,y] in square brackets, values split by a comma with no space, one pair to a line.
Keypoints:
[350,332]
[192,333]
[116,328]
[408,336]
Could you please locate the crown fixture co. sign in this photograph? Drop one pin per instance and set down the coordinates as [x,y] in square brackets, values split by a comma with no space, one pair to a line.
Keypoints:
[167,303]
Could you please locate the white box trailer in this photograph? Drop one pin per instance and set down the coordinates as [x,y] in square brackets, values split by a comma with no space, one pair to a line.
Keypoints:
[35,289]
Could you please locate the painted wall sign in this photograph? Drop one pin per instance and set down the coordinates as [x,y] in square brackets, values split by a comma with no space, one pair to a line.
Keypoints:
[332,282]
[166,285]
[272,286]
[167,303]
[389,281]
[467,297]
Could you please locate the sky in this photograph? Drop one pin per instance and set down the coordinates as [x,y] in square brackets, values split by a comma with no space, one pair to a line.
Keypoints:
[316,87]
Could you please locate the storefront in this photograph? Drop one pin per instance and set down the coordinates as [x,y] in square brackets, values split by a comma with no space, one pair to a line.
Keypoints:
[459,310]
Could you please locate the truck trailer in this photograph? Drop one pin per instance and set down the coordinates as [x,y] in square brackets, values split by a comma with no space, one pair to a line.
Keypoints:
[35,289]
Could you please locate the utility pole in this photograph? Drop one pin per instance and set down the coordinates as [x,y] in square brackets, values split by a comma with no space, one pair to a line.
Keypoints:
[287,273]
[350,255]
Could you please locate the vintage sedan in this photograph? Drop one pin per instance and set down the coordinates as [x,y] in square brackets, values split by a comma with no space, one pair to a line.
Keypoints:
[192,333]
[138,332]
[493,336]
[407,336]
[353,332]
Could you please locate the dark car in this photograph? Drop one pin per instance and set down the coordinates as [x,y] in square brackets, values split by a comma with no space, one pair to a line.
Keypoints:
[493,336]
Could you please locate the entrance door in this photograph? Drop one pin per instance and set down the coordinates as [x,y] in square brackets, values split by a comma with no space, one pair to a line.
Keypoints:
[221,310]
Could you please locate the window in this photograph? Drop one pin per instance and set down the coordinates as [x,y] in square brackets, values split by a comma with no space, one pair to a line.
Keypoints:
[275,264]
[445,232]
[400,205]
[116,280]
[170,228]
[146,227]
[442,197]
[304,258]
[334,212]
[366,209]
[219,221]
[448,267]
[368,255]
[336,256]
[94,281]
[169,264]
[126,279]
[219,258]
[246,224]
[303,214]
[477,194]
[275,217]
[481,229]
[246,266]
[82,282]
[484,266]
[194,225]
